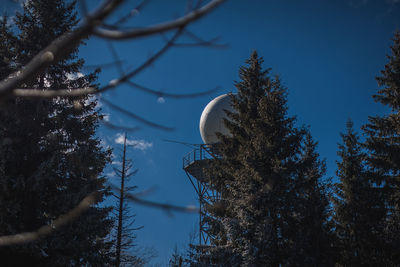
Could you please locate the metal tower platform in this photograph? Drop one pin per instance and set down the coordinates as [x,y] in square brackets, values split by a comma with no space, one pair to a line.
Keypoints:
[195,163]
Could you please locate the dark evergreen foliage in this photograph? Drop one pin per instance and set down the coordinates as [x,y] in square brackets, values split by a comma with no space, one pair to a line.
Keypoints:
[50,158]
[359,209]
[273,209]
[7,49]
[383,144]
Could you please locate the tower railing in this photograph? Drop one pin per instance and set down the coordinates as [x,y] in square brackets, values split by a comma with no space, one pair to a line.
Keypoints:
[199,153]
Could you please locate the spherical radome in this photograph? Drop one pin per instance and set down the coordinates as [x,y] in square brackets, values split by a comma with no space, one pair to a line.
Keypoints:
[212,118]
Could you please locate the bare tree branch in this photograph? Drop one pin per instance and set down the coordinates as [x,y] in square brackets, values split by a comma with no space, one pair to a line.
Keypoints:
[136,117]
[153,204]
[159,28]
[58,48]
[56,224]
[48,93]
[104,65]
[116,58]
[170,95]
[119,127]
[144,65]
[112,84]
[69,41]
[73,214]
[135,11]
[146,192]
[200,42]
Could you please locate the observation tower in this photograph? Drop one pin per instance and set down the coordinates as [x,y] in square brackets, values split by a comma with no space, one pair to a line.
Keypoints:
[196,162]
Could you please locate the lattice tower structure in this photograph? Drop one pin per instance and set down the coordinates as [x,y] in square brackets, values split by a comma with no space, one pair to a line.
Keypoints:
[195,164]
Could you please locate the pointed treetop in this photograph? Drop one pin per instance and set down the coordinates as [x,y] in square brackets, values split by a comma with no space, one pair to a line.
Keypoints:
[390,78]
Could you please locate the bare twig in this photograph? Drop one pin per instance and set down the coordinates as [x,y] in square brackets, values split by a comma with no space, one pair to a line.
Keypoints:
[146,192]
[48,93]
[112,84]
[134,12]
[159,28]
[163,206]
[67,42]
[104,65]
[136,117]
[55,225]
[61,46]
[170,95]
[144,65]
[116,58]
[119,127]
[200,42]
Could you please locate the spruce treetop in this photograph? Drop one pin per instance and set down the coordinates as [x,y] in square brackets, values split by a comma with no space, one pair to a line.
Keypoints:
[390,78]
[270,176]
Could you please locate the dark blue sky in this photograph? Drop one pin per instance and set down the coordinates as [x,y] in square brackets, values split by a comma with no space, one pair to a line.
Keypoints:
[327,54]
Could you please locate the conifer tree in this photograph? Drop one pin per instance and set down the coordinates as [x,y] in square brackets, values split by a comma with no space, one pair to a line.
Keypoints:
[383,144]
[273,209]
[50,158]
[312,231]
[7,48]
[359,210]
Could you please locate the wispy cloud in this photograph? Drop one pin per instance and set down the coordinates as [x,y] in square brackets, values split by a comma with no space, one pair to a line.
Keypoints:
[136,143]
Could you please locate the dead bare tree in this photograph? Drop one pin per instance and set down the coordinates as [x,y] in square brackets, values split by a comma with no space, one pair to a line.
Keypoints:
[125,234]
[94,24]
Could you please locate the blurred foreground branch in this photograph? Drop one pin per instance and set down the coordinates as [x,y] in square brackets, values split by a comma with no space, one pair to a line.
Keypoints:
[49,229]
[153,204]
[94,24]
[91,25]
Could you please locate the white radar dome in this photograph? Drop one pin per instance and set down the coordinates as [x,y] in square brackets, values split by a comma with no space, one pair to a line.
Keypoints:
[212,118]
